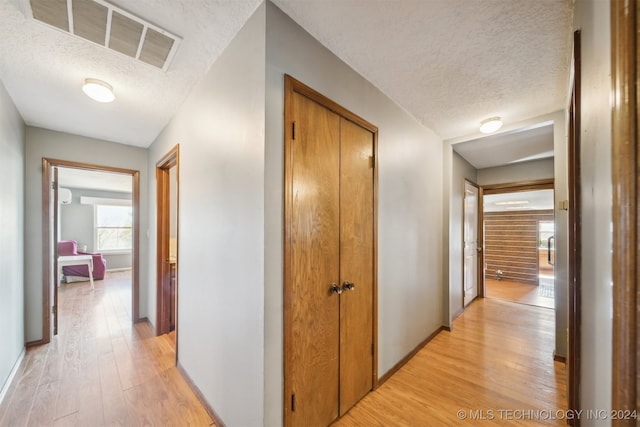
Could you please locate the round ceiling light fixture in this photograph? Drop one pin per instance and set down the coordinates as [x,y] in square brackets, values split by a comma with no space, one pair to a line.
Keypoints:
[98,90]
[490,125]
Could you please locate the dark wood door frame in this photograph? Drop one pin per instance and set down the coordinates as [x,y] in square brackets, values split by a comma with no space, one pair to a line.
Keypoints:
[163,216]
[626,172]
[575,239]
[49,257]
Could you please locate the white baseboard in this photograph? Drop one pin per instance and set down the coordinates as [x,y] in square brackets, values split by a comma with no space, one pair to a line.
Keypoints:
[112,270]
[13,373]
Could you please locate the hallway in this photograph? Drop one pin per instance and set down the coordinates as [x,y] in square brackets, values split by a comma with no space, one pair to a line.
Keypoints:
[101,371]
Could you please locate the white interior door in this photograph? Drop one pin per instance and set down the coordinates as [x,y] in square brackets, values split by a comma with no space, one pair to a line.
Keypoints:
[471,247]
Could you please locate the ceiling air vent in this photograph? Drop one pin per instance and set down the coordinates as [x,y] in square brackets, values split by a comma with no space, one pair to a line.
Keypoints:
[109,26]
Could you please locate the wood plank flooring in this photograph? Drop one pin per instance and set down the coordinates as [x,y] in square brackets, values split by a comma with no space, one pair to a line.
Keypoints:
[100,370]
[521,293]
[497,362]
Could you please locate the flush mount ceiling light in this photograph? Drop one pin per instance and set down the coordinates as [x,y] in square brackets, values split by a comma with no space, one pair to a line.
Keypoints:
[98,90]
[490,125]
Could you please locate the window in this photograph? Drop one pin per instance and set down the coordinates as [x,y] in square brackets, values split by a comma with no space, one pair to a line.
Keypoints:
[114,225]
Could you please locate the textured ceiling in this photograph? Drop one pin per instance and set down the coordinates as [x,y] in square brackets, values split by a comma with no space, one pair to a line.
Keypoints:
[44,68]
[449,63]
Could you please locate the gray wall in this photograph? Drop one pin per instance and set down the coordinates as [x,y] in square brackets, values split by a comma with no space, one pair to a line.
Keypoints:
[410,211]
[220,322]
[76,223]
[58,145]
[461,170]
[593,18]
[517,172]
[12,137]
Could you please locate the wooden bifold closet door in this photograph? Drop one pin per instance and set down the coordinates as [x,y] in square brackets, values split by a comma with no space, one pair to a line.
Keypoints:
[329,261]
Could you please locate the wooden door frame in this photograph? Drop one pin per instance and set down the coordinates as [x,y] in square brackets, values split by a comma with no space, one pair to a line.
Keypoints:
[48,261]
[575,237]
[163,302]
[509,187]
[479,238]
[294,86]
[625,175]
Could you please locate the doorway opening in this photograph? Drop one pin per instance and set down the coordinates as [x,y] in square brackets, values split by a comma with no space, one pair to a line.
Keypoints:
[519,245]
[167,173]
[90,225]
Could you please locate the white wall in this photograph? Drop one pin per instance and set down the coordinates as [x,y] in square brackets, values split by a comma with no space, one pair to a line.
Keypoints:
[592,17]
[58,145]
[220,129]
[12,137]
[461,170]
[410,202]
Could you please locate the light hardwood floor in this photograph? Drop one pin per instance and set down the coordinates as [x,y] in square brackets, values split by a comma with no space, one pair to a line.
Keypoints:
[100,370]
[522,293]
[498,360]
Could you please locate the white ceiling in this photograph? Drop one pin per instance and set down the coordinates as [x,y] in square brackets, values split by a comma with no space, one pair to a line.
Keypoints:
[449,63]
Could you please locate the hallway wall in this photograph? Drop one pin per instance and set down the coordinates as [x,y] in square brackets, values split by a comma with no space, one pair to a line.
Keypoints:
[410,260]
[517,172]
[12,147]
[220,323]
[592,17]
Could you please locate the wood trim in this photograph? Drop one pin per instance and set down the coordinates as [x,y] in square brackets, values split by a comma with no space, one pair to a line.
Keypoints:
[574,241]
[35,343]
[299,87]
[291,85]
[212,413]
[410,355]
[513,187]
[167,162]
[135,268]
[47,164]
[375,260]
[560,359]
[625,167]
[482,286]
[46,256]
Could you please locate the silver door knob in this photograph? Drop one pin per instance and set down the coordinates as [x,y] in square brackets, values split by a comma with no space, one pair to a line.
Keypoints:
[335,289]
[348,286]
[479,249]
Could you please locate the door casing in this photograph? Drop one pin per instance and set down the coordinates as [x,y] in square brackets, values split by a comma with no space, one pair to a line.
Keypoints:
[163,299]
[49,289]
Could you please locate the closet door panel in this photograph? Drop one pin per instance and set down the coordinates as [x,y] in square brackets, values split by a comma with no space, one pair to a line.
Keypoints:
[356,263]
[315,264]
